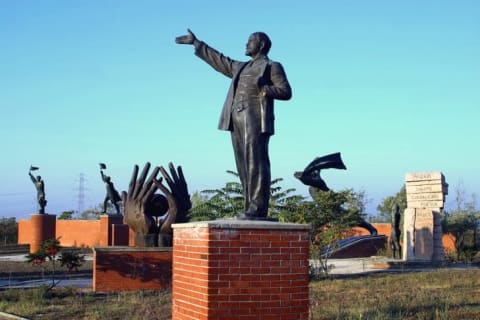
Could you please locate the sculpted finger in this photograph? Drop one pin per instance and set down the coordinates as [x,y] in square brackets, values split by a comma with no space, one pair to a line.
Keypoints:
[133,181]
[141,180]
[167,177]
[148,196]
[182,181]
[147,185]
[173,173]
[162,188]
[180,174]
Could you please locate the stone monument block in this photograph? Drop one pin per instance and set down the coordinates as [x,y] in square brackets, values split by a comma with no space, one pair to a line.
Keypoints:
[408,234]
[423,234]
[422,228]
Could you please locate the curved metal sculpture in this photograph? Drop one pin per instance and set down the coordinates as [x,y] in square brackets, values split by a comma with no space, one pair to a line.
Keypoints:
[142,204]
[310,176]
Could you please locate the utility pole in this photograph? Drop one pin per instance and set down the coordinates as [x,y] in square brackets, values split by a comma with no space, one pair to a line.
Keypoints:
[81,193]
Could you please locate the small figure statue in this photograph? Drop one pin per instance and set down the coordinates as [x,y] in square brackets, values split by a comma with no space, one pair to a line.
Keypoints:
[40,186]
[112,194]
[395,233]
[248,113]
[142,203]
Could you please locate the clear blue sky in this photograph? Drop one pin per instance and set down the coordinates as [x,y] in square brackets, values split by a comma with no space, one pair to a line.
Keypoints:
[393,85]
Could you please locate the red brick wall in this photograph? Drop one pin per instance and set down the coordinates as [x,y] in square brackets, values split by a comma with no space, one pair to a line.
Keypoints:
[125,268]
[24,232]
[81,233]
[78,233]
[240,274]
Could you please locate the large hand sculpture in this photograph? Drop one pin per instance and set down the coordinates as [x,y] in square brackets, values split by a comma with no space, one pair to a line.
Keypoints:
[142,204]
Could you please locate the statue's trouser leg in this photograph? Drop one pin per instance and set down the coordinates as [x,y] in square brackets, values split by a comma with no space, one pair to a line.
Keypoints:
[250,146]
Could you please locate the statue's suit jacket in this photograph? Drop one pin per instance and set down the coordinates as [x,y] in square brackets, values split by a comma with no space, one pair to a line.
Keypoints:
[270,73]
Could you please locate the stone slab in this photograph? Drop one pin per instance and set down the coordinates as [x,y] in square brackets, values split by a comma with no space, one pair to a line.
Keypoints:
[423,234]
[408,252]
[425,204]
[423,176]
[426,188]
[436,196]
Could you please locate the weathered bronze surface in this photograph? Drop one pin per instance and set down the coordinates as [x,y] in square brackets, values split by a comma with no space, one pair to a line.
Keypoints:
[112,194]
[142,203]
[395,233]
[248,113]
[40,186]
[310,176]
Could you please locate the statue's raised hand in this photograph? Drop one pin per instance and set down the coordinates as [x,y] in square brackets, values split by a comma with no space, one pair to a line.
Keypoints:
[186,39]
[137,202]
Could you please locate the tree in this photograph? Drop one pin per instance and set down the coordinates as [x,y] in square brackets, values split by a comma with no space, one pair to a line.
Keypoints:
[331,214]
[384,209]
[93,213]
[8,229]
[229,201]
[48,252]
[283,205]
[66,215]
[220,203]
[463,223]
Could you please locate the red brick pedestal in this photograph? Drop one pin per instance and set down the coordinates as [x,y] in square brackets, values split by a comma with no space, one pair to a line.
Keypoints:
[42,228]
[112,231]
[233,269]
[117,269]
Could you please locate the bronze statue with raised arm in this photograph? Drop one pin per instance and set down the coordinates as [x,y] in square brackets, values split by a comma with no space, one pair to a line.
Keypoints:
[112,194]
[40,186]
[248,113]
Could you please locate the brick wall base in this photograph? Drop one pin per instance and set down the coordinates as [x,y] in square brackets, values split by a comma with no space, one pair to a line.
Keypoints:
[127,269]
[232,269]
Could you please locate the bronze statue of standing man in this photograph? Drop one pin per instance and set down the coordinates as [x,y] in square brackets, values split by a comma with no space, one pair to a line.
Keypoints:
[248,113]
[40,186]
[112,194]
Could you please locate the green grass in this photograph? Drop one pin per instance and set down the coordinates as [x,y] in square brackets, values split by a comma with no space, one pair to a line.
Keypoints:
[442,294]
[71,303]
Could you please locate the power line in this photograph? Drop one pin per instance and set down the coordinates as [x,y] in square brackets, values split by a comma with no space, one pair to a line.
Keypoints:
[81,192]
